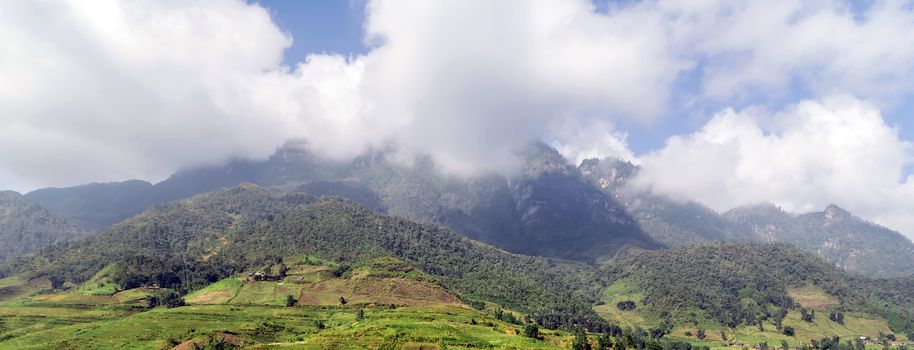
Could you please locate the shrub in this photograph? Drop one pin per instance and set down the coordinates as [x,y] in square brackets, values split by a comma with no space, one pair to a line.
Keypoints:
[626,305]
[789,331]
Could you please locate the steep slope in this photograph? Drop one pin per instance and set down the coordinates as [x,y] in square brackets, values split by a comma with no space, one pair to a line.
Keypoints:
[191,243]
[849,242]
[26,227]
[671,222]
[563,215]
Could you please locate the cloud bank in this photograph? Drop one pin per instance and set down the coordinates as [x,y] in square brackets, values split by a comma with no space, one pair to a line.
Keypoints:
[110,90]
[817,152]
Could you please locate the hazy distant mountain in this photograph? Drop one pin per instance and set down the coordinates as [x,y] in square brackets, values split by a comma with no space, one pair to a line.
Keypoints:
[100,205]
[27,227]
[847,241]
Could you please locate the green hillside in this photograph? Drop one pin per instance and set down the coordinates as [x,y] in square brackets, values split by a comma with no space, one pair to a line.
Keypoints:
[190,244]
[263,268]
[733,288]
[26,227]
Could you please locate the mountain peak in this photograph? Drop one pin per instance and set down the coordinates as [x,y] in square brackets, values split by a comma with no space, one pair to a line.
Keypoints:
[834,212]
[609,172]
[540,158]
[10,194]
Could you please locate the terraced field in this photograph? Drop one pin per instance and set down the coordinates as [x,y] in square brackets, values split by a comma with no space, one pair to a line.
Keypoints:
[389,305]
[855,325]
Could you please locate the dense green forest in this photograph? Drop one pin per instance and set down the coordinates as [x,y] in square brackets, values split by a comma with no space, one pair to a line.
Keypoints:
[26,227]
[745,284]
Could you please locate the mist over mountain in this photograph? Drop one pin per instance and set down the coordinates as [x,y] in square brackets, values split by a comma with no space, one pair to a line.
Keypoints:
[847,241]
[547,209]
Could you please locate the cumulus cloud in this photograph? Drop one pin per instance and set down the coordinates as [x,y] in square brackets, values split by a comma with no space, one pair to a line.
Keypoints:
[110,90]
[834,150]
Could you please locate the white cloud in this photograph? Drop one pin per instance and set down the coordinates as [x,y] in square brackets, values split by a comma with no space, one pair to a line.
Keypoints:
[836,150]
[109,90]
[752,49]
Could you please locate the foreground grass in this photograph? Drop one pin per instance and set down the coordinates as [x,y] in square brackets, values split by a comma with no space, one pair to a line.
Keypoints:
[265,327]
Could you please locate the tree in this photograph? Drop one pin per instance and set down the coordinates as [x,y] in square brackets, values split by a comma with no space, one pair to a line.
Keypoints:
[807,316]
[56,281]
[283,271]
[340,270]
[789,331]
[360,314]
[290,301]
[700,333]
[532,331]
[836,316]
[626,305]
[761,326]
[779,318]
[604,342]
[580,341]
[168,298]
[342,300]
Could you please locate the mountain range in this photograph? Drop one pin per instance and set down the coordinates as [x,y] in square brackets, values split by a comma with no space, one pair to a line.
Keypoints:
[563,247]
[847,241]
[549,208]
